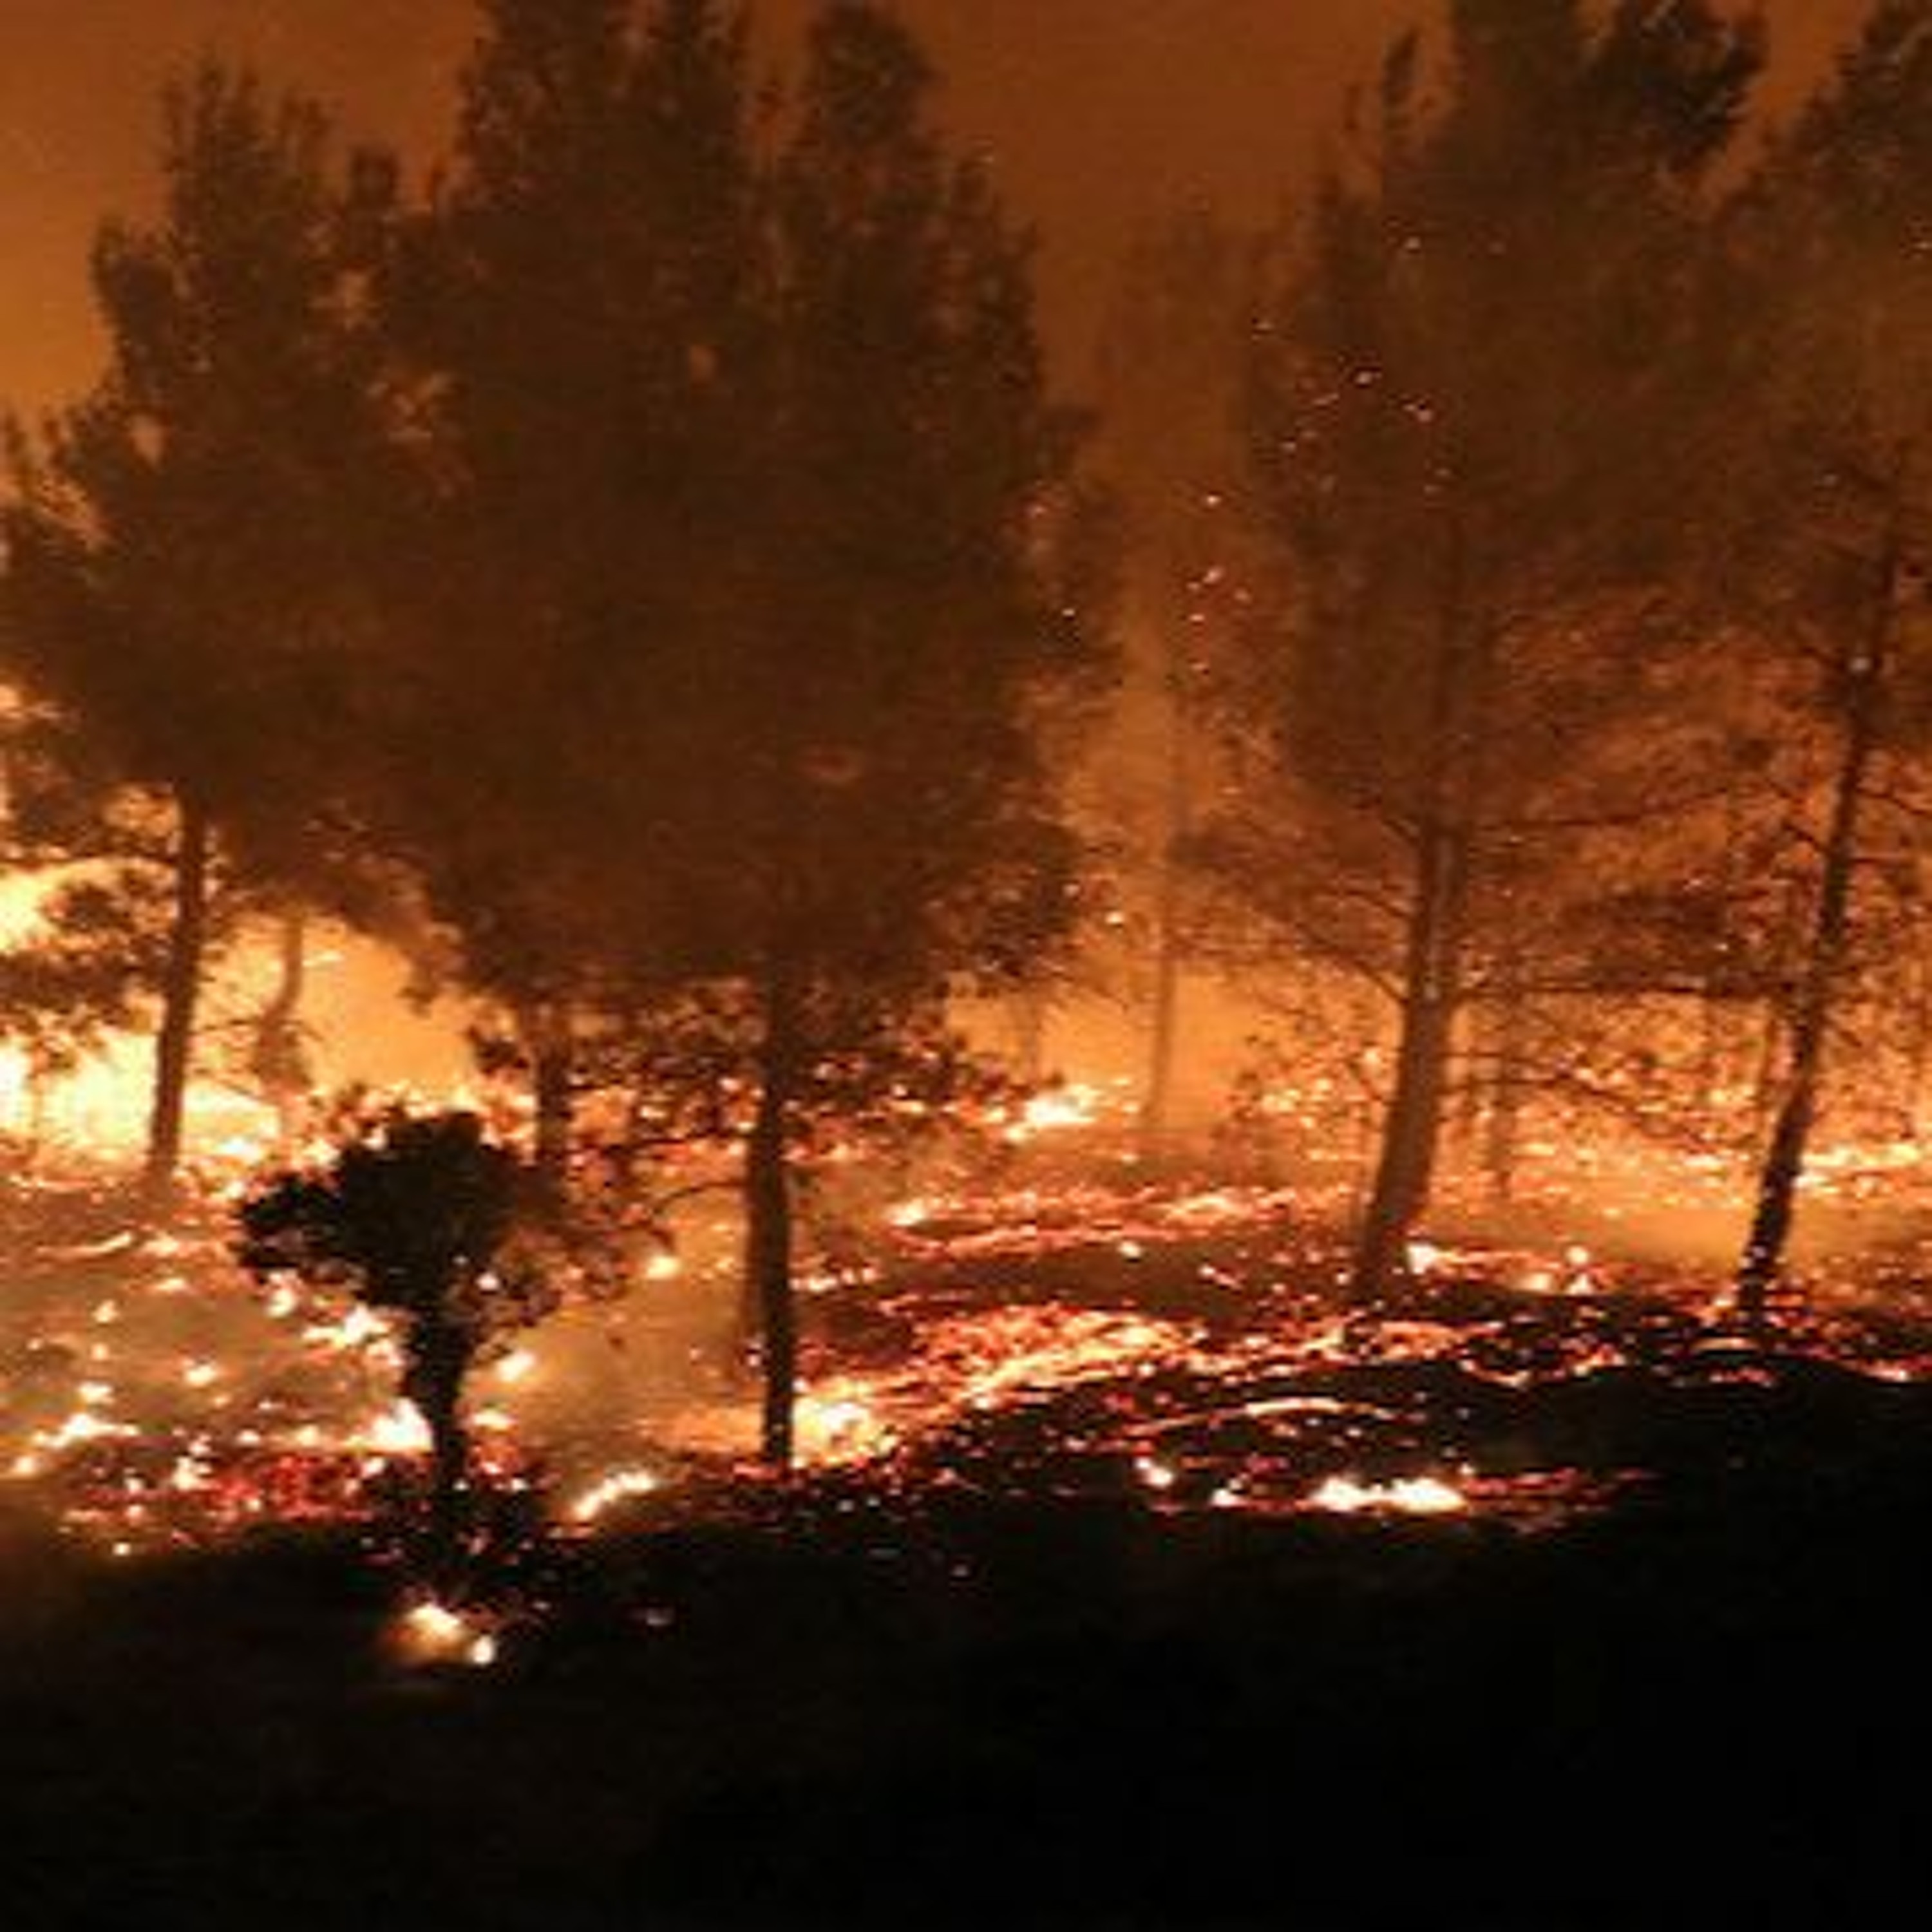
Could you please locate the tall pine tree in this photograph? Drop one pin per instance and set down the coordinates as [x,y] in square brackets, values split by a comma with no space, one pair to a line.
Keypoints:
[874,829]
[575,311]
[187,549]
[1464,431]
[1831,287]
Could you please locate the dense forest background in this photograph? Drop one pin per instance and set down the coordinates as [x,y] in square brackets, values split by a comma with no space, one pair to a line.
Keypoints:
[641,572]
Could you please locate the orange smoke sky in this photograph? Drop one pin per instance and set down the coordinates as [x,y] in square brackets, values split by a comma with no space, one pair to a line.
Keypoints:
[1092,110]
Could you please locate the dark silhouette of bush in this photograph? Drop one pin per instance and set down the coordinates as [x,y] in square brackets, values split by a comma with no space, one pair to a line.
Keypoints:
[415,1214]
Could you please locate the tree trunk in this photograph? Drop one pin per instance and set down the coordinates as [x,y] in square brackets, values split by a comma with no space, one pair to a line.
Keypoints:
[280,1065]
[1863,680]
[1443,851]
[180,994]
[768,1229]
[439,1357]
[1156,1123]
[1411,1127]
[1164,1018]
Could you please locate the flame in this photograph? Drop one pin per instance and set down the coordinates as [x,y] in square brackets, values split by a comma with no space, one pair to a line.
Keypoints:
[837,1422]
[428,1633]
[1408,1495]
[619,1486]
[1205,1406]
[398,1431]
[1055,1110]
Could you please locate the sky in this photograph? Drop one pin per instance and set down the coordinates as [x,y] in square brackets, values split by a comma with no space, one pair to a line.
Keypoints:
[1093,112]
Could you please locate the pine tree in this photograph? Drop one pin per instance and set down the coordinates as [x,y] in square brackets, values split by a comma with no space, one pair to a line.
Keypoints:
[416,1213]
[879,833]
[1833,541]
[1464,428]
[186,548]
[742,495]
[1173,361]
[575,309]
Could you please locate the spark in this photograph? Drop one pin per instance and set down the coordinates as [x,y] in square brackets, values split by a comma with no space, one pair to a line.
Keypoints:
[619,1486]
[83,1426]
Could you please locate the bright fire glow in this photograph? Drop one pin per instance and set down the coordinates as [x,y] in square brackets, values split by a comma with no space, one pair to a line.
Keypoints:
[1408,1495]
[618,1486]
[428,1633]
[399,1431]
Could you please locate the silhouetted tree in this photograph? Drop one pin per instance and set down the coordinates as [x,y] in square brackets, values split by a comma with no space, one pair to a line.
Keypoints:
[415,1213]
[185,548]
[874,829]
[85,963]
[1833,289]
[1465,444]
[575,311]
[1168,444]
[277,1059]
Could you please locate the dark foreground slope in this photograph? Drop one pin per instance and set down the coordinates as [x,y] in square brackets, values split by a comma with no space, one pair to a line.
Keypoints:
[1707,1707]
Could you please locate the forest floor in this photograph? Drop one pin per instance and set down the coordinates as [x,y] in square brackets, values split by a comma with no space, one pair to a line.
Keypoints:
[1553,1606]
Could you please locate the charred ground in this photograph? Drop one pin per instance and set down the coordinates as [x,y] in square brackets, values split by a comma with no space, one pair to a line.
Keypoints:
[1081,1649]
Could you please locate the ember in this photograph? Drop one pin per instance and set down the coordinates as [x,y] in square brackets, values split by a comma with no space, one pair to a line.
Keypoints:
[1407,1495]
[428,1633]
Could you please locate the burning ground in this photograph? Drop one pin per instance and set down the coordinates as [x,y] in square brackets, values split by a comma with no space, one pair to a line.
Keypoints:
[1041,1334]
[1127,1582]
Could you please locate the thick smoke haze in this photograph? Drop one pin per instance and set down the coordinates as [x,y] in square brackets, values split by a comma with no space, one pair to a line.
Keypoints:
[1093,112]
